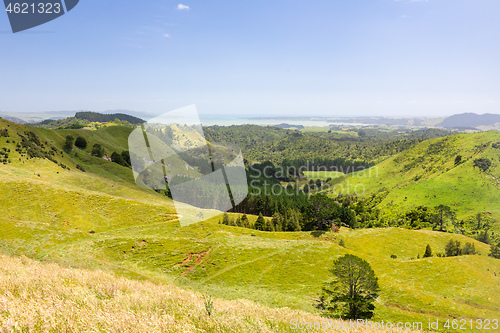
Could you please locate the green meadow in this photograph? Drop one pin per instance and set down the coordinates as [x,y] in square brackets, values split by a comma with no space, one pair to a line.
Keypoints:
[322,175]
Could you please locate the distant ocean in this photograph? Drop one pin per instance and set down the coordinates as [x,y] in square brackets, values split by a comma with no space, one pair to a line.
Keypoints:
[227,121]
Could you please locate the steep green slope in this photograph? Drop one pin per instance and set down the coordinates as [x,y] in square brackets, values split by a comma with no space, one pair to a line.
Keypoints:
[427,175]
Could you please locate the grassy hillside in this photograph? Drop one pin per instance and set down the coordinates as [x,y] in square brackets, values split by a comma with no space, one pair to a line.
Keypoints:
[427,175]
[100,220]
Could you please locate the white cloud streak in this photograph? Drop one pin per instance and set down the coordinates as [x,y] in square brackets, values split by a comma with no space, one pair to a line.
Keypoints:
[182,7]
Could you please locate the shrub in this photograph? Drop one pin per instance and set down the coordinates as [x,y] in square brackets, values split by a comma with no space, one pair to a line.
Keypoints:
[117,158]
[469,248]
[428,251]
[81,142]
[495,251]
[482,163]
[97,150]
[452,248]
[68,145]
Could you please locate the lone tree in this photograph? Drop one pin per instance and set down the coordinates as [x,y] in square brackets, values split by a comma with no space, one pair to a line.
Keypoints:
[225,219]
[68,144]
[442,215]
[260,223]
[81,142]
[353,290]
[117,158]
[495,251]
[428,251]
[97,150]
[452,248]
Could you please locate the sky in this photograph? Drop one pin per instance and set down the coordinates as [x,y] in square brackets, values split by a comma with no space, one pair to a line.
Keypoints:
[333,58]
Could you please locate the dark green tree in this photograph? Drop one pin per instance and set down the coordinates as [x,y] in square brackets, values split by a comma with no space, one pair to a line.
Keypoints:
[482,163]
[428,251]
[269,225]
[244,221]
[117,158]
[277,221]
[495,251]
[306,189]
[294,223]
[348,216]
[68,144]
[225,219]
[97,150]
[452,248]
[442,215]
[469,249]
[484,237]
[238,222]
[458,159]
[478,219]
[126,157]
[81,142]
[260,223]
[353,291]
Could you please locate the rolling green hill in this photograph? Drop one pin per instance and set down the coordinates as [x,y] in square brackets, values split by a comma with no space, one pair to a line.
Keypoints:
[100,220]
[428,175]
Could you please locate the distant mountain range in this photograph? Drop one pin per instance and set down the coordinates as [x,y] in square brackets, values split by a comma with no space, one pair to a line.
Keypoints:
[103,118]
[38,117]
[470,120]
[464,121]
[285,125]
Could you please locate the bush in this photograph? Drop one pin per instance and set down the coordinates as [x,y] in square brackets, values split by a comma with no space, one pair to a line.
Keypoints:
[68,145]
[469,248]
[117,158]
[428,251]
[79,167]
[495,251]
[81,142]
[126,157]
[97,150]
[452,248]
[482,163]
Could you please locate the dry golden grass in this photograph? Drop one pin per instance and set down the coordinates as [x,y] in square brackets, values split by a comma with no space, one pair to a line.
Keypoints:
[40,297]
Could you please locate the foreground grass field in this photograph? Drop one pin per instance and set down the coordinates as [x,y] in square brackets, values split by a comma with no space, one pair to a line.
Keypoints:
[37,297]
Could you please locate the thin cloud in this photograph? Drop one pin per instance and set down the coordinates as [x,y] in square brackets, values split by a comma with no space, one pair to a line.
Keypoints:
[182,7]
[167,36]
